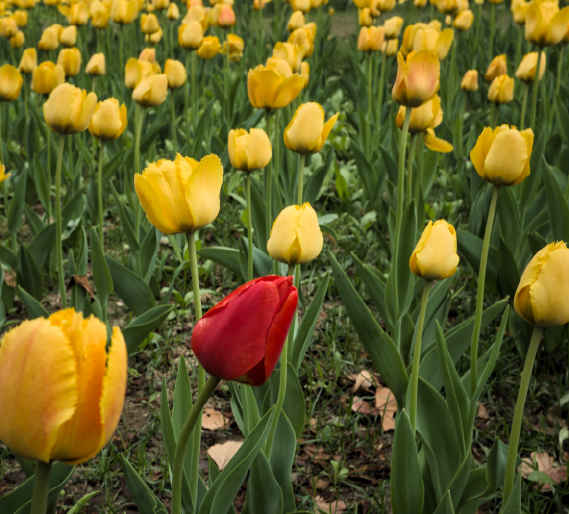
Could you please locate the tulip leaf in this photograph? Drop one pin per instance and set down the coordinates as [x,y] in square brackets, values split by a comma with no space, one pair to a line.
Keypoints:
[460,480]
[380,347]
[508,217]
[137,330]
[8,257]
[282,458]
[42,245]
[294,403]
[476,485]
[227,257]
[34,221]
[407,491]
[148,254]
[514,503]
[264,495]
[16,207]
[531,184]
[470,246]
[68,211]
[445,507]
[126,225]
[78,507]
[258,215]
[199,136]
[251,415]
[508,276]
[367,173]
[144,498]
[34,308]
[556,206]
[101,274]
[262,263]
[563,118]
[28,275]
[314,183]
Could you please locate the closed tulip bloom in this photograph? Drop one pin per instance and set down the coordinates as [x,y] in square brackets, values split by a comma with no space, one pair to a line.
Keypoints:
[68,36]
[391,47]
[79,14]
[290,53]
[149,23]
[447,6]
[68,109]
[96,65]
[259,5]
[541,298]
[236,47]
[160,5]
[3,175]
[409,37]
[296,237]
[21,18]
[99,15]
[364,16]
[46,77]
[518,9]
[419,3]
[151,91]
[209,47]
[49,39]
[545,23]
[70,60]
[226,17]
[417,78]
[181,196]
[501,90]
[109,120]
[296,21]
[176,73]
[242,337]
[304,39]
[463,20]
[18,40]
[269,88]
[9,27]
[496,68]
[124,12]
[301,5]
[331,11]
[502,156]
[371,39]
[190,35]
[430,39]
[155,37]
[526,69]
[305,73]
[249,151]
[29,61]
[136,70]
[435,257]
[61,391]
[148,55]
[280,65]
[307,132]
[470,81]
[10,83]
[392,27]
[173,13]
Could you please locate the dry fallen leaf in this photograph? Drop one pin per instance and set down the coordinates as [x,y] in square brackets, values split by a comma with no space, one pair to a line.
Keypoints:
[482,411]
[322,484]
[83,281]
[10,278]
[384,399]
[364,380]
[213,419]
[361,406]
[221,454]
[330,508]
[545,464]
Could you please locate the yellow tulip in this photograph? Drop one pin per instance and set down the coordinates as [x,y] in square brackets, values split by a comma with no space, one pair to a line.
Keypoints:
[49,39]
[10,83]
[419,3]
[99,15]
[68,36]
[151,91]
[526,69]
[305,73]
[279,64]
[160,5]
[435,257]
[173,12]
[290,53]
[304,39]
[392,27]
[364,16]
[541,298]
[9,27]
[447,6]
[124,12]
[109,120]
[3,175]
[501,90]
[136,70]
[181,196]
[236,47]
[29,61]
[518,9]
[149,23]
[76,14]
[301,5]
[61,392]
[417,78]
[190,35]
[296,237]
[470,81]
[147,55]
[46,77]
[96,65]
[209,48]
[70,60]
[371,39]
[68,109]
[226,17]
[307,132]
[269,88]
[176,73]
[21,18]
[430,39]
[18,40]
[391,47]
[249,151]
[502,156]
[463,20]
[296,21]
[331,11]
[545,23]
[497,2]
[195,13]
[496,68]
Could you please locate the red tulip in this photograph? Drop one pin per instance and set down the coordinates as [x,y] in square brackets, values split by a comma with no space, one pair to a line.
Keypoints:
[242,337]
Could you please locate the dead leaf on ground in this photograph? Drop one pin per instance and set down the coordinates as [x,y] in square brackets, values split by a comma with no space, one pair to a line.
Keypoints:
[384,399]
[364,380]
[482,411]
[316,454]
[214,420]
[330,508]
[546,464]
[221,454]
[322,484]
[10,278]
[361,406]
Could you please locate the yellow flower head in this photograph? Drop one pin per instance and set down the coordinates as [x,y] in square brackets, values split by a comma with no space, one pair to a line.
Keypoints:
[307,132]
[249,151]
[69,109]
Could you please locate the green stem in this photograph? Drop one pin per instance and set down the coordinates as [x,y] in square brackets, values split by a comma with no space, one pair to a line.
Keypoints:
[301,179]
[492,30]
[121,58]
[172,40]
[41,487]
[100,194]
[492,111]
[58,228]
[174,129]
[277,148]
[369,85]
[269,181]
[226,75]
[419,181]
[193,421]
[137,162]
[249,231]
[4,189]
[93,83]
[48,175]
[534,90]
[417,354]
[381,84]
[460,132]
[480,293]
[195,96]
[519,412]
[26,95]
[524,105]
[187,99]
[409,195]
[559,70]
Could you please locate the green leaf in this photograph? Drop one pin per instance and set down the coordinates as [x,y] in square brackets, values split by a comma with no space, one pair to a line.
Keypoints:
[445,507]
[126,225]
[264,496]
[294,404]
[132,289]
[42,245]
[557,207]
[34,221]
[68,211]
[407,491]
[148,253]
[144,498]
[460,480]
[531,184]
[508,276]
[16,207]
[262,263]
[470,246]
[514,503]
[34,308]
[137,330]
[227,257]
[282,458]
[78,507]
[8,257]
[101,274]
[28,275]
[476,484]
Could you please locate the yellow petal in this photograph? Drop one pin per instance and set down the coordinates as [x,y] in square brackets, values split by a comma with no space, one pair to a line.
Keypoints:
[506,159]
[309,234]
[480,151]
[259,149]
[413,260]
[438,259]
[435,144]
[303,133]
[558,27]
[283,245]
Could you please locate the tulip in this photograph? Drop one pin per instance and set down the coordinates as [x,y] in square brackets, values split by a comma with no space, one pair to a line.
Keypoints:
[3,175]
[21,18]
[305,73]
[18,40]
[149,23]
[470,81]
[280,65]
[526,69]
[502,156]
[173,13]
[430,39]
[301,5]
[417,78]
[392,27]
[49,39]
[77,13]
[371,39]
[9,27]
[176,73]
[463,20]
[420,3]
[147,55]
[161,5]
[196,13]
[136,70]
[364,16]
[96,65]
[518,9]
[304,39]
[10,83]
[497,67]
[545,23]
[226,17]
[209,48]
[29,61]
[108,121]
[124,12]
[69,109]
[249,151]
[296,21]
[180,196]
[501,90]
[70,60]
[331,11]
[307,132]
[151,90]
[68,36]
[292,54]
[190,35]
[391,47]
[46,77]
[270,88]
[447,6]
[236,47]
[361,4]
[99,15]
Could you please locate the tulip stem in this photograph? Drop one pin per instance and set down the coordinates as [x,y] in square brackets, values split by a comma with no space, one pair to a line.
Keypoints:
[26,95]
[492,30]
[121,59]
[519,412]
[226,85]
[48,175]
[480,293]
[187,100]
[534,90]
[524,105]
[174,129]
[100,193]
[249,231]
[192,421]
[369,85]
[301,178]
[410,170]
[4,190]
[519,46]
[381,85]
[195,96]
[41,486]
[419,180]
[417,354]
[559,70]
[269,179]
[492,111]
[137,161]
[58,228]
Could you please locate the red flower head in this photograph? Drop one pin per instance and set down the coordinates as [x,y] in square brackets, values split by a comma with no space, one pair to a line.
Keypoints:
[242,337]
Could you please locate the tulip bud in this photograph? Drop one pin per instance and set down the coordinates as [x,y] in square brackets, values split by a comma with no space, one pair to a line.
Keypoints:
[180,196]
[417,78]
[46,77]
[269,87]
[173,12]
[226,17]
[249,151]
[176,73]
[99,15]
[541,298]
[296,21]
[502,156]
[430,39]
[21,18]
[305,73]
[230,349]
[78,13]
[364,16]
[371,39]
[496,68]
[501,90]
[518,8]
[545,23]
[526,69]
[124,12]
[9,27]
[392,27]
[292,54]
[236,47]
[61,391]
[10,83]
[70,60]
[154,39]
[29,61]
[259,5]
[303,38]
[68,109]
[463,20]
[151,90]
[190,36]
[428,115]
[420,3]
[435,257]
[361,4]
[49,39]
[147,55]
[331,11]
[209,48]
[136,70]
[307,132]
[391,47]
[470,81]
[96,65]
[68,36]
[149,23]
[301,5]
[447,6]
[108,121]
[18,40]
[295,237]
[160,5]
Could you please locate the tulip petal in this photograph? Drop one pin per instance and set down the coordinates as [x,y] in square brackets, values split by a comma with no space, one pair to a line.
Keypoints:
[435,144]
[413,260]
[305,130]
[438,259]
[283,245]
[259,150]
[528,136]
[558,27]
[328,126]
[506,159]
[309,234]
[266,82]
[287,91]
[480,151]
[202,191]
